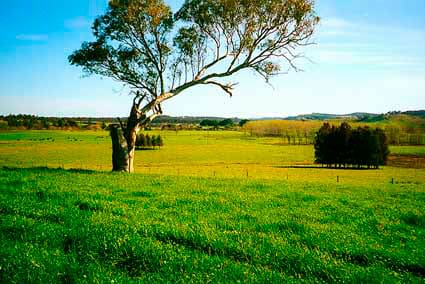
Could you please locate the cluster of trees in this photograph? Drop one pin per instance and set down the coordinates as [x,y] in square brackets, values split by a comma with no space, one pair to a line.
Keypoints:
[291,131]
[146,141]
[400,130]
[216,123]
[35,122]
[342,146]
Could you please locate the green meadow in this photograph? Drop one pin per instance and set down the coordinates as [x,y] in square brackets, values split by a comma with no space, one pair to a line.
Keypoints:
[226,154]
[209,206]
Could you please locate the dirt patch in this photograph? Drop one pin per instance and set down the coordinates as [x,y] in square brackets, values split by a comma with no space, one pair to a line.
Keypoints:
[406,161]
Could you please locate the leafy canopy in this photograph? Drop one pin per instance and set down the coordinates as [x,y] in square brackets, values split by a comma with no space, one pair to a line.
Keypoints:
[143,44]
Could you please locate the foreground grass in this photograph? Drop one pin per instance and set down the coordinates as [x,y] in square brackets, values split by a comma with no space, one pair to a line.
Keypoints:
[88,227]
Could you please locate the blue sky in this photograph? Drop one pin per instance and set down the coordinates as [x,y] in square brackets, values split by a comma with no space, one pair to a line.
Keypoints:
[369,56]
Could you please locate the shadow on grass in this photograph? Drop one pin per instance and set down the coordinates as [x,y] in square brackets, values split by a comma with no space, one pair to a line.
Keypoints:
[45,169]
[146,149]
[324,168]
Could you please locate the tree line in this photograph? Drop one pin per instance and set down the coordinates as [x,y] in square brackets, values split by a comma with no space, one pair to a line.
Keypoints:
[34,122]
[343,146]
[24,121]
[400,130]
[146,141]
[295,132]
[217,123]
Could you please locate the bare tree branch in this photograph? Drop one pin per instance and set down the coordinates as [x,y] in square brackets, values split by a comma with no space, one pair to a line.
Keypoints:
[228,88]
[121,124]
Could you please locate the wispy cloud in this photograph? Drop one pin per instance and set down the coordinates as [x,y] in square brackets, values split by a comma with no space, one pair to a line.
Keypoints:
[365,45]
[337,27]
[368,59]
[77,23]
[32,37]
[335,23]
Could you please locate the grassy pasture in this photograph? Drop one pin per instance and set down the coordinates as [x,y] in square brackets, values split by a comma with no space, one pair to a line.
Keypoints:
[93,227]
[192,214]
[190,153]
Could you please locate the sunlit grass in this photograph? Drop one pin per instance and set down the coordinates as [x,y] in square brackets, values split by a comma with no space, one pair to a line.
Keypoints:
[191,153]
[207,207]
[97,227]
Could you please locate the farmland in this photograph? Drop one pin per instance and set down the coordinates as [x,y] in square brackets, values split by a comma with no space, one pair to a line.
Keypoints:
[189,153]
[401,129]
[209,206]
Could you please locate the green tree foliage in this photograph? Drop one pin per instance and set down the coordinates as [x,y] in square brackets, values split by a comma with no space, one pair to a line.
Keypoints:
[159,141]
[226,122]
[321,145]
[243,122]
[382,147]
[146,141]
[71,123]
[342,146]
[209,122]
[34,122]
[215,123]
[60,123]
[153,141]
[141,141]
[45,123]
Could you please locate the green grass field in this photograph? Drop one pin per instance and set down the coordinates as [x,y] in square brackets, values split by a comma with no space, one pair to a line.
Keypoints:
[207,207]
[227,154]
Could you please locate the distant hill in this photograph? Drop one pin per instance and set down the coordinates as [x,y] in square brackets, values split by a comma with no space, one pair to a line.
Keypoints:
[412,118]
[359,116]
[313,116]
[420,113]
[327,116]
[164,119]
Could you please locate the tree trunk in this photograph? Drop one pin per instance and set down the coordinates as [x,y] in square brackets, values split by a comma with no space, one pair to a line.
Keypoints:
[124,141]
[122,158]
[123,149]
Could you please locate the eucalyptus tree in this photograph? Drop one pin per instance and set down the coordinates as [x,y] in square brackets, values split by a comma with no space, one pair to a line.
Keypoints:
[158,53]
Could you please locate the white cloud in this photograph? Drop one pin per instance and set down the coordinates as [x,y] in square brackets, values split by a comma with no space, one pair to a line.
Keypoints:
[32,37]
[77,23]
